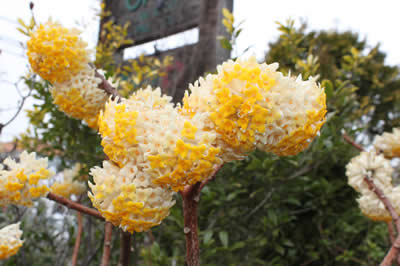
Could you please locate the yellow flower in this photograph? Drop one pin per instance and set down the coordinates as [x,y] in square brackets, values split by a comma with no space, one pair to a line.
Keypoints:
[149,132]
[56,53]
[10,240]
[69,186]
[389,143]
[228,20]
[24,181]
[251,106]
[127,198]
[80,96]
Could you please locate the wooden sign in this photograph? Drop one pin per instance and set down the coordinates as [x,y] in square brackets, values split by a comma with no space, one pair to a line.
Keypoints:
[153,19]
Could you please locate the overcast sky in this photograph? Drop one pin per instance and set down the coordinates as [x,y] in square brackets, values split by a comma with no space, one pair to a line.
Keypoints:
[376,20]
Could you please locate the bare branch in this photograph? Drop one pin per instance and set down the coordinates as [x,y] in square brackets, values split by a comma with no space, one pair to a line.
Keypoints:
[77,240]
[74,205]
[105,261]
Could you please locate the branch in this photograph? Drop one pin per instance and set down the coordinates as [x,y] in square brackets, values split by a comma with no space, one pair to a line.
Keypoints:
[105,85]
[77,240]
[74,205]
[21,105]
[352,142]
[191,196]
[105,261]
[391,231]
[125,248]
[395,249]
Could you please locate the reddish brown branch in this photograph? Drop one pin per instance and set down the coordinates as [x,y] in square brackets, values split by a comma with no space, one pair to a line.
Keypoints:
[125,248]
[105,261]
[190,202]
[395,249]
[352,142]
[74,205]
[107,87]
[191,196]
[391,231]
[77,240]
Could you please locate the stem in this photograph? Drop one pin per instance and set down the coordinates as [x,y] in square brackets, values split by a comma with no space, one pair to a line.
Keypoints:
[125,249]
[391,231]
[189,197]
[75,206]
[352,142]
[106,86]
[77,240]
[105,261]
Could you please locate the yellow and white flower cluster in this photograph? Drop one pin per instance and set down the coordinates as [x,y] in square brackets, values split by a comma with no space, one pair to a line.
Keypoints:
[10,240]
[146,130]
[80,96]
[375,167]
[388,143]
[69,186]
[127,198]
[156,151]
[251,106]
[59,55]
[23,181]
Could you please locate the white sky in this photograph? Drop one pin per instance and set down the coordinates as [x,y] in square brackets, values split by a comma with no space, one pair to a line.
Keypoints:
[376,20]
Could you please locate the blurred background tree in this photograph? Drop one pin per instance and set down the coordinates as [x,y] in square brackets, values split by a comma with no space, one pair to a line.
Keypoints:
[264,210]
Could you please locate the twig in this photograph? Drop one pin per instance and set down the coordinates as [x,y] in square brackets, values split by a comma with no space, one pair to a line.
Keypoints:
[21,105]
[352,142]
[391,231]
[77,240]
[75,206]
[106,86]
[125,248]
[105,261]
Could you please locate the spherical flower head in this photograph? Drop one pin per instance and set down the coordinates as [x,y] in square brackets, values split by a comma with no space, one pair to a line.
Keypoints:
[373,208]
[126,198]
[69,186]
[388,143]
[10,240]
[56,53]
[373,166]
[149,132]
[24,181]
[251,106]
[80,97]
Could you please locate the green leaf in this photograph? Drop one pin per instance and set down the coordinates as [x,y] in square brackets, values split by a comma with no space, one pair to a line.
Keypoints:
[207,236]
[223,236]
[225,43]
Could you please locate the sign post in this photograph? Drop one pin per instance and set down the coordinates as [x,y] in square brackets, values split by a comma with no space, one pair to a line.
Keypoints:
[155,19]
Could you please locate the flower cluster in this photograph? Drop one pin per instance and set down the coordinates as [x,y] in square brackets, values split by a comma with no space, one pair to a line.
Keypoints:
[23,181]
[80,96]
[10,240]
[388,143]
[69,186]
[58,55]
[251,105]
[127,198]
[378,169]
[170,149]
